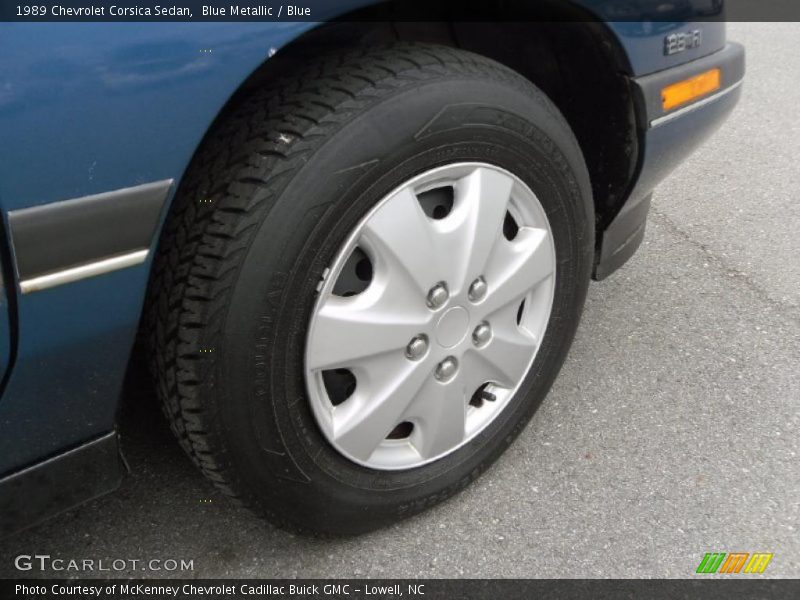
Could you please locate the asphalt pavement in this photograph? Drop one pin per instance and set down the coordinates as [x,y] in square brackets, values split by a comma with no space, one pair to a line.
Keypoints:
[672,430]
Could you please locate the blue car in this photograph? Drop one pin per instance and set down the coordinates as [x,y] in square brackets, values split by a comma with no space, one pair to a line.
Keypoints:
[354,253]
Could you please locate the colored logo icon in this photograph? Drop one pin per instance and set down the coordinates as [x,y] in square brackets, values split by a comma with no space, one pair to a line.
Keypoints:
[735,562]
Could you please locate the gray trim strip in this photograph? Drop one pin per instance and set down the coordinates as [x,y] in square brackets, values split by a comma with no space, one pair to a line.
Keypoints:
[57,236]
[53,243]
[107,265]
[692,107]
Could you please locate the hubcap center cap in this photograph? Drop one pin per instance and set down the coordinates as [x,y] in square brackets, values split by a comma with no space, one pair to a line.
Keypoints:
[452,326]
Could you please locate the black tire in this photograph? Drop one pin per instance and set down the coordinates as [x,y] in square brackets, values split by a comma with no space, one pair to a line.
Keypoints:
[272,193]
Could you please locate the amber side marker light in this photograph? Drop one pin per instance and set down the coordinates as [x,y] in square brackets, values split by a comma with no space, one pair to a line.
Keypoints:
[690,89]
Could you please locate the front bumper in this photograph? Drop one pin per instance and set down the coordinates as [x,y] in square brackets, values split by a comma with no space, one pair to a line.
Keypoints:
[667,138]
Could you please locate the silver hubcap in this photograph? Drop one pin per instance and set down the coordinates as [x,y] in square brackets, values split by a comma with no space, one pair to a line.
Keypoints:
[430,316]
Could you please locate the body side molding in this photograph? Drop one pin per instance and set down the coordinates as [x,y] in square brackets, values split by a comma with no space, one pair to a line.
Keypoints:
[70,240]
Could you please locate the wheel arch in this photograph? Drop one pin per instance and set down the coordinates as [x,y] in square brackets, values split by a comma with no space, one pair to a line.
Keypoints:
[576,60]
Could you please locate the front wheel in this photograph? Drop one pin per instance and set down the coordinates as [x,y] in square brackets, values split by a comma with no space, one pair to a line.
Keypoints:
[370,279]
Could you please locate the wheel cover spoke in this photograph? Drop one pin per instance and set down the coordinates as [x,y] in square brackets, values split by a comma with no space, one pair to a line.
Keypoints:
[439,414]
[517,267]
[391,386]
[430,375]
[346,329]
[476,226]
[505,358]
[406,251]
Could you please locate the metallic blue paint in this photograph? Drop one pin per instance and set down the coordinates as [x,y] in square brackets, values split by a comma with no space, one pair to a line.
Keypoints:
[101,106]
[91,107]
[84,109]
[644,43]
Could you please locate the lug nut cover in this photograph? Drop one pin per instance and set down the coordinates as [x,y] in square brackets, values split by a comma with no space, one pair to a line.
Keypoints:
[417,347]
[482,334]
[446,369]
[477,290]
[438,295]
